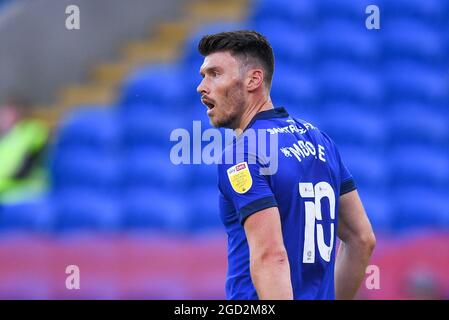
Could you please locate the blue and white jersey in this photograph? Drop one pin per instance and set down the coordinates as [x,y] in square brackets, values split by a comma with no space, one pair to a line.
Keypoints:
[305,186]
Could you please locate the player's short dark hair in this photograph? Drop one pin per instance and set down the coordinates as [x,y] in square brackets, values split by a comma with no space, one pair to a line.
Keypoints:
[242,42]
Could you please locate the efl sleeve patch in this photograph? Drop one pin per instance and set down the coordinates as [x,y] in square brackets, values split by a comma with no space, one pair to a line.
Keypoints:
[240,177]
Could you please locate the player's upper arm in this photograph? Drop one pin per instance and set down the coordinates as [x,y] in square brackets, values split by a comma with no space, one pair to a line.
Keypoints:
[353,222]
[245,186]
[264,234]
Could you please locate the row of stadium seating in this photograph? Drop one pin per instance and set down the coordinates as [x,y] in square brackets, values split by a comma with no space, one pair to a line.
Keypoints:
[329,82]
[404,209]
[418,127]
[381,96]
[137,209]
[97,156]
[310,12]
[102,183]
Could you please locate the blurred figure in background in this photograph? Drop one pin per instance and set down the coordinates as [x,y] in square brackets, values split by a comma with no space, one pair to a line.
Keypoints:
[23,142]
[423,284]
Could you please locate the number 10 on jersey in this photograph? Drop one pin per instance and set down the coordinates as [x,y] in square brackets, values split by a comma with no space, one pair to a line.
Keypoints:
[312,196]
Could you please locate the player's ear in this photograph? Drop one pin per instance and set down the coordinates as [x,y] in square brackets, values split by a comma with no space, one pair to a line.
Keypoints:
[255,79]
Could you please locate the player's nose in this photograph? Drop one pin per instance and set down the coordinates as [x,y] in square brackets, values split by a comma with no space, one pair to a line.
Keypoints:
[202,89]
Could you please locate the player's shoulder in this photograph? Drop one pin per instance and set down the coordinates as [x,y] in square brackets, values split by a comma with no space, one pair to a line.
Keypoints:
[242,148]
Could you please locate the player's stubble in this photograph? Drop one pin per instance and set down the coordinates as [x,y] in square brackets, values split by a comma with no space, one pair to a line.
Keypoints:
[231,108]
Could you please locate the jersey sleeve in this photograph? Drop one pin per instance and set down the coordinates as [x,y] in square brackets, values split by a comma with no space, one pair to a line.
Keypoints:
[245,187]
[347,183]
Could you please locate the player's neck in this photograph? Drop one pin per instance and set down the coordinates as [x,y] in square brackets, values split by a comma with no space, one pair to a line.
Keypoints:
[253,108]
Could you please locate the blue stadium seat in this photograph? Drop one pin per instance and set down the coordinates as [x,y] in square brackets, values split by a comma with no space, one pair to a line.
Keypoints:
[80,209]
[419,208]
[34,215]
[91,126]
[368,167]
[292,46]
[346,40]
[432,12]
[446,41]
[299,13]
[291,87]
[345,9]
[152,167]
[345,82]
[413,81]
[156,208]
[204,211]
[160,85]
[84,167]
[412,39]
[419,166]
[147,124]
[418,124]
[347,125]
[203,174]
[309,114]
[378,208]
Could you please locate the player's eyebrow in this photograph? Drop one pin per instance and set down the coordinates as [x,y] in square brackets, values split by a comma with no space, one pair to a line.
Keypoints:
[203,71]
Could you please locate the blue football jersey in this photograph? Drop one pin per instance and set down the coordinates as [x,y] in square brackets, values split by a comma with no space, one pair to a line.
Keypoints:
[305,184]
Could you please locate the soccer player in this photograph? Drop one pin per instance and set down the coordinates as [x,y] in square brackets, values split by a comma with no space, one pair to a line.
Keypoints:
[281,226]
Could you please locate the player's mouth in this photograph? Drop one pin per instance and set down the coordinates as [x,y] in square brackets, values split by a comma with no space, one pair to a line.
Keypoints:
[209,104]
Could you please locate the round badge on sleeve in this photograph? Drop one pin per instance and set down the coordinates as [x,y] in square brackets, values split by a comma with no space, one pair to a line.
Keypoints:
[240,177]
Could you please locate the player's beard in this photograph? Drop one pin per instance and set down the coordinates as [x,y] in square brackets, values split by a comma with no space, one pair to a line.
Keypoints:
[231,108]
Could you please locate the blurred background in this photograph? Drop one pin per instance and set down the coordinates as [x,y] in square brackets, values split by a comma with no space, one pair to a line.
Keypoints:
[86,116]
